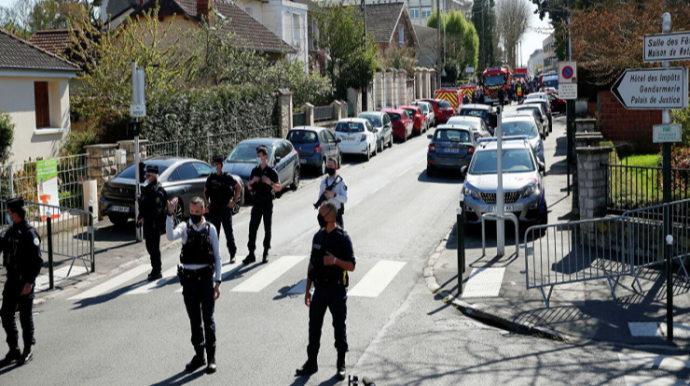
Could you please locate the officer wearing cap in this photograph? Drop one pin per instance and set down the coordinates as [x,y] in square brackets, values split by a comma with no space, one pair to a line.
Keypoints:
[331,259]
[151,205]
[222,192]
[263,184]
[21,248]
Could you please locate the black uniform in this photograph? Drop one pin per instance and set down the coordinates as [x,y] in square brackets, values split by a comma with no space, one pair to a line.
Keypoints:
[263,195]
[330,283]
[21,247]
[151,205]
[220,189]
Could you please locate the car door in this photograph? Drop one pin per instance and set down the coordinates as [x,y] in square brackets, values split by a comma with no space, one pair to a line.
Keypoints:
[204,171]
[387,128]
[326,145]
[280,163]
[335,149]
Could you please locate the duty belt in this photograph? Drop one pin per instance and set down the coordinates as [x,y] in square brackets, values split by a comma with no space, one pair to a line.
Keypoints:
[197,274]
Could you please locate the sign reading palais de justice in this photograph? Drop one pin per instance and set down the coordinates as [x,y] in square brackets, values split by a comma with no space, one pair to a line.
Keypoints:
[667,47]
[653,88]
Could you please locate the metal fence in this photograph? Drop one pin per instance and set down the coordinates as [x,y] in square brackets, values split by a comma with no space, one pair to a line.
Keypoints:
[323,113]
[632,187]
[67,235]
[299,119]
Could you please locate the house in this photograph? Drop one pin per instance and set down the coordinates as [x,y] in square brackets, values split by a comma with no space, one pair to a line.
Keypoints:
[55,41]
[248,32]
[34,90]
[391,26]
[427,51]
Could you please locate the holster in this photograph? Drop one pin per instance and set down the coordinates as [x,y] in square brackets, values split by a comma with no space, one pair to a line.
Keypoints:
[181,275]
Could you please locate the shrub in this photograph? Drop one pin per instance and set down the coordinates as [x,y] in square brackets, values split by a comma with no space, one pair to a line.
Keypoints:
[6,136]
[75,143]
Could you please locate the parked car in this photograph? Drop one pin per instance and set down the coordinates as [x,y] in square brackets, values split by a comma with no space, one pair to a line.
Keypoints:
[442,109]
[183,178]
[315,145]
[545,105]
[541,116]
[383,125]
[486,112]
[523,186]
[427,110]
[402,123]
[418,119]
[281,155]
[451,147]
[357,136]
[525,126]
[478,126]
[557,104]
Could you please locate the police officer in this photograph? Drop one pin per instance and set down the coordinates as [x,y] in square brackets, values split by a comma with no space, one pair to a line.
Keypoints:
[263,184]
[21,247]
[222,192]
[331,258]
[151,206]
[200,278]
[334,190]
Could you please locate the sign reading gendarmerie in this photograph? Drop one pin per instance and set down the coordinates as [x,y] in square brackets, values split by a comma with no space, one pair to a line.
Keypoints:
[667,133]
[653,88]
[667,47]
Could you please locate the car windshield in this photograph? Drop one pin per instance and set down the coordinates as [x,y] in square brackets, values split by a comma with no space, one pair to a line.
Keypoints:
[411,111]
[494,80]
[424,108]
[550,83]
[444,104]
[129,172]
[473,113]
[301,136]
[375,120]
[394,116]
[246,153]
[536,109]
[452,135]
[514,161]
[519,128]
[349,127]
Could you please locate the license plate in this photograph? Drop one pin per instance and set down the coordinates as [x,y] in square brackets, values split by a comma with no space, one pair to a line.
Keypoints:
[302,161]
[508,208]
[122,209]
[451,150]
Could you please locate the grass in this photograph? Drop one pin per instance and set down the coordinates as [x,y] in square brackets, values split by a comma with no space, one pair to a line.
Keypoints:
[634,188]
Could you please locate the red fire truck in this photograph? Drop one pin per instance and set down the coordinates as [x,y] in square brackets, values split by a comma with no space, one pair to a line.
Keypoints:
[455,95]
[496,78]
[520,74]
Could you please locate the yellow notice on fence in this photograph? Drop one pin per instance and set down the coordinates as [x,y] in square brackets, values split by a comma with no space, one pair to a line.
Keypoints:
[47,183]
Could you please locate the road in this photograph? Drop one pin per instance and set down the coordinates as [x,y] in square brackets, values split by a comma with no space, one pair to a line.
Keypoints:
[120,330]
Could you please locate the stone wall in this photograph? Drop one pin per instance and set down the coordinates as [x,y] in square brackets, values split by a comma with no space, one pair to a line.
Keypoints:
[101,160]
[592,180]
[619,124]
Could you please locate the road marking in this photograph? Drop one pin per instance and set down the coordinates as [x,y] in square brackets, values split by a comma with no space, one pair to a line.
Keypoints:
[59,275]
[228,269]
[269,274]
[300,288]
[655,361]
[484,283]
[112,283]
[406,170]
[150,286]
[377,279]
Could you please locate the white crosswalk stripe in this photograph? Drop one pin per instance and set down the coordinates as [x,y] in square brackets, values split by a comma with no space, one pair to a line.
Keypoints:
[269,274]
[643,361]
[150,286]
[377,279]
[112,283]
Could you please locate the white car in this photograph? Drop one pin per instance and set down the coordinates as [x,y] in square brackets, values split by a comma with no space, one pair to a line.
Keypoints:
[428,110]
[357,136]
[479,128]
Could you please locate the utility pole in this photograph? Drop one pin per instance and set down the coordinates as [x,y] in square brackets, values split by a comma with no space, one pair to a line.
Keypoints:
[666,159]
[137,110]
[365,88]
[438,36]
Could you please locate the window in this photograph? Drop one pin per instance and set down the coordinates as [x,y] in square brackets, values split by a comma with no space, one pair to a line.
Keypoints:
[187,172]
[414,14]
[330,136]
[283,149]
[401,36]
[426,12]
[203,169]
[296,31]
[41,104]
[301,136]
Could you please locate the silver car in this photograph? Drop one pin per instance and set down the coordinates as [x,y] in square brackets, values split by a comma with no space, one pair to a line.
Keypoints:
[478,126]
[381,122]
[523,187]
[428,110]
[524,126]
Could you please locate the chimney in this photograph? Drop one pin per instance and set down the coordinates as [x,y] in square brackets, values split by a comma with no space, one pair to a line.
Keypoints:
[203,9]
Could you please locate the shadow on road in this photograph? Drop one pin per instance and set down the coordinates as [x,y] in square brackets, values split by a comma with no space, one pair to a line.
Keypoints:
[181,378]
[443,177]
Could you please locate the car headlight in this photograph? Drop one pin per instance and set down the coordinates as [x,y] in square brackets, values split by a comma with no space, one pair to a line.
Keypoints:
[469,192]
[530,189]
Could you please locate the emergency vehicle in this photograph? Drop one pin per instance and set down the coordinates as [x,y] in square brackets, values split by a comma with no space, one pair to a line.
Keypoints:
[455,95]
[520,74]
[496,78]
[549,79]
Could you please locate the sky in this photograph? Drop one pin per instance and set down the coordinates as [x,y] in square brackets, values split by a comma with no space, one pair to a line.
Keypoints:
[530,41]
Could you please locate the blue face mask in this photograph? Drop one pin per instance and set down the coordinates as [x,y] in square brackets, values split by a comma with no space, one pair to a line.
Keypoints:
[8,218]
[196,218]
[258,160]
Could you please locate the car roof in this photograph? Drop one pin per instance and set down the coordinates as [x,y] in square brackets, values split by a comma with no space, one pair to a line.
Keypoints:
[260,141]
[372,112]
[310,128]
[408,107]
[392,110]
[519,113]
[454,127]
[357,120]
[520,117]
[466,118]
[506,144]
[473,106]
[168,161]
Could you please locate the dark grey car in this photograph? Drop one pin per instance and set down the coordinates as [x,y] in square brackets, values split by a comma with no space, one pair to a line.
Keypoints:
[315,145]
[183,178]
[383,126]
[451,147]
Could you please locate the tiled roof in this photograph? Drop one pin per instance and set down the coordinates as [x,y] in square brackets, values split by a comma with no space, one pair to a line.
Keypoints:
[249,33]
[54,41]
[382,19]
[311,5]
[18,54]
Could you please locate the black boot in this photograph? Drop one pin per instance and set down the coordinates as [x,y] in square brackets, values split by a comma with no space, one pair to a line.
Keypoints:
[309,368]
[211,355]
[154,275]
[265,260]
[197,361]
[232,257]
[340,365]
[12,356]
[26,357]
[249,259]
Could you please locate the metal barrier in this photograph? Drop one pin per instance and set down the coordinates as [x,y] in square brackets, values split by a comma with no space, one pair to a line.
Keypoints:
[69,235]
[494,216]
[299,119]
[323,113]
[575,252]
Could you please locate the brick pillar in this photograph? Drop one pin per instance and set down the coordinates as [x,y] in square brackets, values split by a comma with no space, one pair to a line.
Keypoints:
[354,99]
[592,181]
[128,146]
[284,111]
[402,87]
[418,83]
[427,83]
[433,86]
[390,88]
[337,110]
[379,96]
[101,163]
[308,109]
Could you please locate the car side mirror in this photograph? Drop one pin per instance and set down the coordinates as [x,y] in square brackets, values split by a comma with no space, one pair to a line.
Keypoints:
[338,140]
[541,167]
[463,170]
[429,136]
[278,159]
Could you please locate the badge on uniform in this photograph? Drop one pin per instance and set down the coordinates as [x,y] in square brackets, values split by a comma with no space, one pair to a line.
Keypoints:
[317,246]
[36,242]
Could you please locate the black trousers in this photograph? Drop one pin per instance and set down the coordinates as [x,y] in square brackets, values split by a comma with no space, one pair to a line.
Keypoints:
[338,220]
[223,217]
[152,237]
[11,300]
[333,298]
[260,210]
[198,299]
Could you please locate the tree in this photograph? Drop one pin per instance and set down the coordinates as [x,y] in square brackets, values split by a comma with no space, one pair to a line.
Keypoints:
[462,43]
[352,54]
[25,17]
[513,17]
[484,20]
[6,137]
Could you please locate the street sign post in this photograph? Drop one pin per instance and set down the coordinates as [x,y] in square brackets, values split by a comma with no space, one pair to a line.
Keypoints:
[567,72]
[653,88]
[667,47]
[567,91]
[469,70]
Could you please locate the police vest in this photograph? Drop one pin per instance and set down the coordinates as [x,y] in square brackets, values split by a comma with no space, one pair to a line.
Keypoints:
[198,248]
[221,189]
[331,274]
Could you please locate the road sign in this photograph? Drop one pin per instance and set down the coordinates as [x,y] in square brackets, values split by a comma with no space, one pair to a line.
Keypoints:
[667,133]
[469,70]
[667,47]
[567,72]
[653,88]
[567,91]
[137,111]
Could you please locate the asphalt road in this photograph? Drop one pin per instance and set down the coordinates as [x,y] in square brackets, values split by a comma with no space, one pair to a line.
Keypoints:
[398,332]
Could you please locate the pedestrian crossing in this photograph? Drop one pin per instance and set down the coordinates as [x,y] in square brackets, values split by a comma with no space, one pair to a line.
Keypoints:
[645,368]
[369,281]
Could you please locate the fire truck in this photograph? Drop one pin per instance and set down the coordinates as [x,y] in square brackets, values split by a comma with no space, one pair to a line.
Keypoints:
[520,74]
[455,95]
[496,78]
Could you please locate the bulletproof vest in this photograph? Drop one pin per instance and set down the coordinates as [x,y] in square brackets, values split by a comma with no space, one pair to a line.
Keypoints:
[16,236]
[220,189]
[332,242]
[149,204]
[261,191]
[198,248]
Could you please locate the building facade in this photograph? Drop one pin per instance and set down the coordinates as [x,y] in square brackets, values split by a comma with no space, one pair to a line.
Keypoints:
[535,62]
[549,53]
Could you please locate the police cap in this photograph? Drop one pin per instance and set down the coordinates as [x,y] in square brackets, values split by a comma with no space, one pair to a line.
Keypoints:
[262,149]
[153,169]
[15,204]
[218,159]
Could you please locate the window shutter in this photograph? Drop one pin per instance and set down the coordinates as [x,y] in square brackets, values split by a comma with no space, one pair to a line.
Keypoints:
[42,105]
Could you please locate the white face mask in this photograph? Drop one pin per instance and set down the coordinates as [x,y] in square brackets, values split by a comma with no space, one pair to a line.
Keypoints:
[258,160]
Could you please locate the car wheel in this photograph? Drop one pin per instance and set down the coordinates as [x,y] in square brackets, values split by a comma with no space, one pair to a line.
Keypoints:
[376,150]
[117,219]
[323,167]
[178,212]
[544,220]
[236,208]
[340,160]
[379,146]
[430,172]
[404,139]
[295,179]
[367,155]
[390,141]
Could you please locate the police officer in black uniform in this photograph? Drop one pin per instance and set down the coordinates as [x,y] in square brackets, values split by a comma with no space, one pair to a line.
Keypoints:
[222,192]
[21,247]
[200,278]
[263,184]
[151,206]
[331,258]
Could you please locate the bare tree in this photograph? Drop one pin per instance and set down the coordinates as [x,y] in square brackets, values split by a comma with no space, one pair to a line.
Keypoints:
[513,18]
